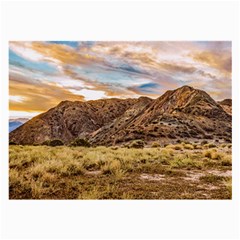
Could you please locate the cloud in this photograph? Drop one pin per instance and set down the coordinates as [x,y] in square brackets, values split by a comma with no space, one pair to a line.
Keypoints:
[219,60]
[24,49]
[172,67]
[44,73]
[16,99]
[37,97]
[89,94]
[206,74]
[33,66]
[59,53]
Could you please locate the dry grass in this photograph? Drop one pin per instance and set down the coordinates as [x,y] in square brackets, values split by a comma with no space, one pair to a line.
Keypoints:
[43,172]
[213,154]
[188,146]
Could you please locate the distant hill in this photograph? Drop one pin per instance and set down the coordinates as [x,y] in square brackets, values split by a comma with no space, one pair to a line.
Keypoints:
[15,123]
[184,113]
[226,105]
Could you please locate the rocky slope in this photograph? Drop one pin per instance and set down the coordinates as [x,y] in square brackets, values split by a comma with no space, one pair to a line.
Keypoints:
[184,113]
[226,105]
[70,120]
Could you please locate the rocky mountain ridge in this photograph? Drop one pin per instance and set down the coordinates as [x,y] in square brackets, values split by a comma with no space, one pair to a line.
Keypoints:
[184,113]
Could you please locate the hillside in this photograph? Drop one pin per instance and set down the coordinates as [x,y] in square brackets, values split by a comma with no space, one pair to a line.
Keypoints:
[180,114]
[184,113]
[69,120]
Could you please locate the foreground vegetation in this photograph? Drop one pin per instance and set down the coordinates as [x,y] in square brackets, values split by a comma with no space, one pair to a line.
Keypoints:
[180,171]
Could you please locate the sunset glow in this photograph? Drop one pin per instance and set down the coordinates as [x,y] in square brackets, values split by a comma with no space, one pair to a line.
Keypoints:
[42,74]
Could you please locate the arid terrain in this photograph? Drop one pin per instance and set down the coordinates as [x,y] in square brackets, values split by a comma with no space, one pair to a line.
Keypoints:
[181,171]
[177,146]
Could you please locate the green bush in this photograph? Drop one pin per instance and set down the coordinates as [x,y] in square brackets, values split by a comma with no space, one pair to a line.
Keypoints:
[80,142]
[53,143]
[137,144]
[46,143]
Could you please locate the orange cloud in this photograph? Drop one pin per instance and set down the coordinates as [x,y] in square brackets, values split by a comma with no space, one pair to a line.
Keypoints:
[170,64]
[64,54]
[38,97]
[219,60]
[177,68]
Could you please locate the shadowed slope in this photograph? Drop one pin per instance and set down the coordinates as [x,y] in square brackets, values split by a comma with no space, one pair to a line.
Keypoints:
[178,114]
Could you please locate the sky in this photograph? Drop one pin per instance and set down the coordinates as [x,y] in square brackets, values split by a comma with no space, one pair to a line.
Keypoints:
[42,74]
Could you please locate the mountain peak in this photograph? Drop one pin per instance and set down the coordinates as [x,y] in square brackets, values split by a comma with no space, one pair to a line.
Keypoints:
[180,113]
[185,88]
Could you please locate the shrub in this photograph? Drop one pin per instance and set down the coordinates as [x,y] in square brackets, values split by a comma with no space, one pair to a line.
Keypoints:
[171,135]
[226,163]
[188,146]
[186,142]
[204,142]
[12,143]
[155,145]
[114,147]
[228,184]
[80,142]
[212,154]
[137,144]
[211,145]
[177,147]
[196,146]
[53,143]
[46,143]
[111,167]
[72,169]
[167,152]
[228,140]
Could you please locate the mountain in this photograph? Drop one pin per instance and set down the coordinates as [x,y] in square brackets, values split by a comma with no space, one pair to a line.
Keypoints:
[15,123]
[70,120]
[184,113]
[226,105]
[179,114]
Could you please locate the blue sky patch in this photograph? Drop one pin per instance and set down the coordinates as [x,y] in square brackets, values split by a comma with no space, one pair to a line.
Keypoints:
[18,61]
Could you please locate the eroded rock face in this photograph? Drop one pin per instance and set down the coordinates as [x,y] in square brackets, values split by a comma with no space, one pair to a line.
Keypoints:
[179,114]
